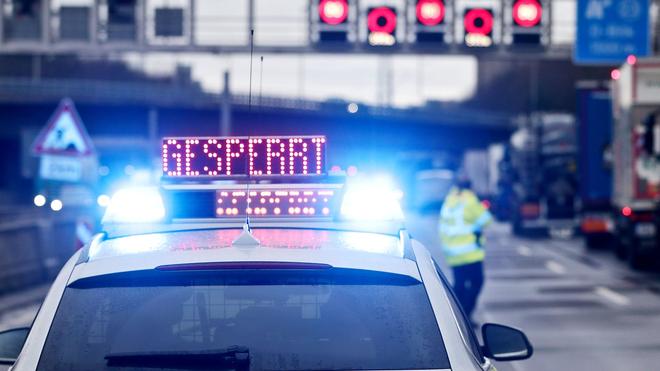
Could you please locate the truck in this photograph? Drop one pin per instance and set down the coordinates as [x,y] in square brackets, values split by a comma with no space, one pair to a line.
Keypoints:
[431,187]
[476,168]
[426,178]
[594,114]
[541,174]
[481,167]
[636,160]
[498,207]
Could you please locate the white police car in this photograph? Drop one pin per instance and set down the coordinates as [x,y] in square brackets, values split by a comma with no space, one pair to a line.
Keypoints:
[322,277]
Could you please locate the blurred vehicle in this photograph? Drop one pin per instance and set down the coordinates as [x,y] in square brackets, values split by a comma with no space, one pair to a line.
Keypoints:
[243,274]
[636,153]
[431,188]
[496,153]
[425,178]
[476,168]
[542,174]
[482,168]
[595,164]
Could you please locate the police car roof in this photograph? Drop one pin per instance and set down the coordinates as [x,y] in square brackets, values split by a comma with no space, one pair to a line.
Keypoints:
[201,249]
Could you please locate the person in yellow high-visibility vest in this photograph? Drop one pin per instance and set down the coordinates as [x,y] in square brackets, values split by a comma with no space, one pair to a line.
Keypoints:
[462,220]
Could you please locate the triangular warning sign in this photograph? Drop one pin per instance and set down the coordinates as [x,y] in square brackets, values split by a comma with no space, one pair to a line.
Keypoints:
[64,134]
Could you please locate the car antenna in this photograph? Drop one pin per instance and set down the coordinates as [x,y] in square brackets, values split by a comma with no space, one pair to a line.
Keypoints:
[251,53]
[246,238]
[261,82]
[247,159]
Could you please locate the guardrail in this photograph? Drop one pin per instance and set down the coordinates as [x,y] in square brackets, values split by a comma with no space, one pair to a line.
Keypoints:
[33,249]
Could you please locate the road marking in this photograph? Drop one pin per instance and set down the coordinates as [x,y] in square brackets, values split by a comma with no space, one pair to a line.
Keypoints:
[612,296]
[524,250]
[555,267]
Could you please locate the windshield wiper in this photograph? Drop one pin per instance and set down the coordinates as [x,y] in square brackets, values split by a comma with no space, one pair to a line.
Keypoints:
[234,357]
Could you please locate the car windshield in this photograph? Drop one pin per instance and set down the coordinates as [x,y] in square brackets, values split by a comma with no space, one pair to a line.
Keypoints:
[325,319]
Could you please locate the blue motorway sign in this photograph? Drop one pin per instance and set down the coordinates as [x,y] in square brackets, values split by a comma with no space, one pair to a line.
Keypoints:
[610,30]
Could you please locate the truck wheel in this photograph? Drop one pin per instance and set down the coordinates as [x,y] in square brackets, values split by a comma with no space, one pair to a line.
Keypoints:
[516,227]
[623,243]
[636,260]
[599,242]
[619,249]
[591,242]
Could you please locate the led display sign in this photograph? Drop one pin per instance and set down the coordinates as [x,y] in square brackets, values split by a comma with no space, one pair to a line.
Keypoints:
[276,202]
[222,157]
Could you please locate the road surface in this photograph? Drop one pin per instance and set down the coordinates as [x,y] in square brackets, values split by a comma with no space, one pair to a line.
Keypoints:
[582,310]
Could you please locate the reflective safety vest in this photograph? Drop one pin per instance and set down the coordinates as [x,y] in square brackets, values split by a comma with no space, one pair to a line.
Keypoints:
[462,215]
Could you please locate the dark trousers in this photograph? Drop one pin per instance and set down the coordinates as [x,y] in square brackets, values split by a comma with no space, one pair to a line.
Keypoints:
[468,280]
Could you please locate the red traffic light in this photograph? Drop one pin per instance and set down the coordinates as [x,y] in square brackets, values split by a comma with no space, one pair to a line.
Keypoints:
[527,13]
[381,24]
[382,20]
[478,21]
[333,12]
[430,12]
